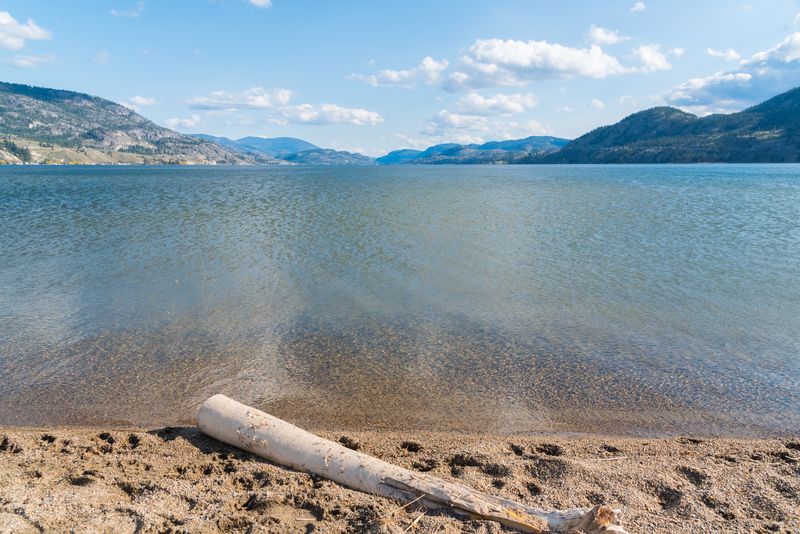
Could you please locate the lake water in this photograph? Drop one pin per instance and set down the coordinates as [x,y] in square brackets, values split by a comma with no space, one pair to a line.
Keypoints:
[607,299]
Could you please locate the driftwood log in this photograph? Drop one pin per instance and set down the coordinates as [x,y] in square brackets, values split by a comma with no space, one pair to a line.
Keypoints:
[274,439]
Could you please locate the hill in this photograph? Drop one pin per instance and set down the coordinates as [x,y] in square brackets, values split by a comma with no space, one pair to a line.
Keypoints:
[511,151]
[276,146]
[289,150]
[69,127]
[327,156]
[766,133]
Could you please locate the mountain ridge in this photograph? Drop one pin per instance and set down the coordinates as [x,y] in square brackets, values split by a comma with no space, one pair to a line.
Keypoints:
[494,152]
[44,125]
[768,132]
[57,123]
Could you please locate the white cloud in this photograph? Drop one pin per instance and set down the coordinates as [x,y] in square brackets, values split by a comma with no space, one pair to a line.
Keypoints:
[414,142]
[325,114]
[498,104]
[429,72]
[565,109]
[30,62]
[638,6]
[14,34]
[137,102]
[651,58]
[495,131]
[189,122]
[597,103]
[446,120]
[452,127]
[277,100]
[102,57]
[253,98]
[729,54]
[762,76]
[130,13]
[498,62]
[601,36]
[515,63]
[261,3]
[142,100]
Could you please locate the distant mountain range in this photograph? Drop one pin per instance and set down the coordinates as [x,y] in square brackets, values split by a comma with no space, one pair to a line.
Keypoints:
[512,151]
[40,125]
[288,150]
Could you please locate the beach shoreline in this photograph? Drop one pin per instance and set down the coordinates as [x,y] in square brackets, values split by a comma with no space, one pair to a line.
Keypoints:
[175,479]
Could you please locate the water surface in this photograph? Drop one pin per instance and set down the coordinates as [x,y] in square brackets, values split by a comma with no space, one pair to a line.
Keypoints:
[611,299]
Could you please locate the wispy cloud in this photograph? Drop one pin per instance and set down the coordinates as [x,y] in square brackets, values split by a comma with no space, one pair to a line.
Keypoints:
[30,62]
[638,7]
[763,75]
[277,102]
[429,72]
[604,36]
[261,3]
[498,104]
[137,10]
[253,98]
[102,57]
[182,124]
[730,54]
[325,114]
[14,34]
[449,126]
[596,103]
[137,102]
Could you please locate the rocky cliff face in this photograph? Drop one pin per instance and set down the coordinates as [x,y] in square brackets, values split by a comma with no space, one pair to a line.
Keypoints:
[56,120]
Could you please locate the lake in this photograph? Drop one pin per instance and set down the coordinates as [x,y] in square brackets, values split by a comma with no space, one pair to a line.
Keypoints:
[643,300]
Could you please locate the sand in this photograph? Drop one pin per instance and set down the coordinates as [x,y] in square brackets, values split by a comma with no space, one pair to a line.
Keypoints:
[177,480]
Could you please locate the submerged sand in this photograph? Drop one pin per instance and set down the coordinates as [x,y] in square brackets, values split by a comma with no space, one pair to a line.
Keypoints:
[177,480]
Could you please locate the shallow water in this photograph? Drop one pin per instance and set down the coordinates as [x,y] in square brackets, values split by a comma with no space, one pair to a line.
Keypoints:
[613,299]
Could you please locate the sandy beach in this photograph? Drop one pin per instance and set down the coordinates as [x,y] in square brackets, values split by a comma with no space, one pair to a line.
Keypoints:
[177,480]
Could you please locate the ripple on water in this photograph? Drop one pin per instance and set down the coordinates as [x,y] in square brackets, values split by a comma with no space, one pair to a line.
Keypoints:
[638,299]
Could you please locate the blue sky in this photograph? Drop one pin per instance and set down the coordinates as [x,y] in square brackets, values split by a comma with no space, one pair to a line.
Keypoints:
[375,76]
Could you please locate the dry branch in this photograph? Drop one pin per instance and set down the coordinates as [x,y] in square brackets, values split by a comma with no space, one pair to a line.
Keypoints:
[274,439]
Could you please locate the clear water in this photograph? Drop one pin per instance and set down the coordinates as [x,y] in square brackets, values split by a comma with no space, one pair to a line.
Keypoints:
[612,299]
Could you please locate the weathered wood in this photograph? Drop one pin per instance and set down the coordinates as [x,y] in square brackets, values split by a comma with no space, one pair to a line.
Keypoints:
[274,439]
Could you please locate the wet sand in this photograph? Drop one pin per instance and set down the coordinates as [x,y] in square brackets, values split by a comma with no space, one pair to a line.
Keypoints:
[177,480]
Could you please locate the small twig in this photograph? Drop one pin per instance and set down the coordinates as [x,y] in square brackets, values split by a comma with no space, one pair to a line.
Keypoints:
[413,523]
[406,505]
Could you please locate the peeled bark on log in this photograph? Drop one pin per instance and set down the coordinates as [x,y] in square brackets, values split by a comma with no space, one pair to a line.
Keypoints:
[274,439]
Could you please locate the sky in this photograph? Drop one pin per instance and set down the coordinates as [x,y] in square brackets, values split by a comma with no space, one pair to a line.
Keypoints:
[374,76]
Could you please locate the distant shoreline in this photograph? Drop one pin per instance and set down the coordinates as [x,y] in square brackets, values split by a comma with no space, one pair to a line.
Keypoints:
[409,165]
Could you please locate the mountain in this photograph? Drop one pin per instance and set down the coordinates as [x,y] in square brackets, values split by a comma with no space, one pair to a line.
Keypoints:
[254,154]
[289,150]
[766,133]
[69,127]
[276,146]
[397,157]
[327,156]
[511,151]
